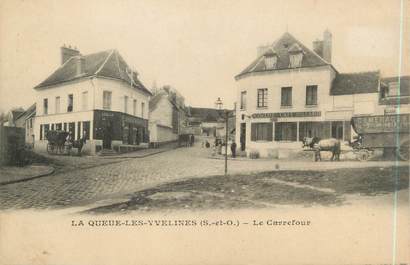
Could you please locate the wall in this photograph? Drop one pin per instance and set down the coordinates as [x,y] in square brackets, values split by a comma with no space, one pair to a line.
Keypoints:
[159,133]
[11,141]
[162,114]
[119,89]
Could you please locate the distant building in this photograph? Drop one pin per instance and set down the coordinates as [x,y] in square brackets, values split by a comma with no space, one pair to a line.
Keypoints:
[96,95]
[166,116]
[290,92]
[210,122]
[26,120]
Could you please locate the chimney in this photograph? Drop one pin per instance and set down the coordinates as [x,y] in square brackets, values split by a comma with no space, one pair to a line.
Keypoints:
[67,53]
[80,65]
[327,46]
[323,48]
[318,47]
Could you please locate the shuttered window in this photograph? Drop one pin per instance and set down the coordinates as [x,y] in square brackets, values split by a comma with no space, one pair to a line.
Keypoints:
[262,98]
[261,131]
[311,95]
[286,97]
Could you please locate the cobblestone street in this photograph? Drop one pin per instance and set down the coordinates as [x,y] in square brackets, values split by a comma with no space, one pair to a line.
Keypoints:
[87,186]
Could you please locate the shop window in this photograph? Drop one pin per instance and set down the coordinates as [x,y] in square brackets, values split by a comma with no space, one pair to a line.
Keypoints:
[71,129]
[86,129]
[285,131]
[286,97]
[261,131]
[312,129]
[65,126]
[262,100]
[311,95]
[58,126]
[78,130]
[46,129]
[52,126]
[41,131]
[70,103]
[337,129]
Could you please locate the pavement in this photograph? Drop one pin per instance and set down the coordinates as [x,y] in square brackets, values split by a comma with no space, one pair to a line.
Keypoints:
[89,183]
[10,175]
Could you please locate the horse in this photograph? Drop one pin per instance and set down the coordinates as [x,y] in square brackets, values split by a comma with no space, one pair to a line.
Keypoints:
[309,142]
[330,144]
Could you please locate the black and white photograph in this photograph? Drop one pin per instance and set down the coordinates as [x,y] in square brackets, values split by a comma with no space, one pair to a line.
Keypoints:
[204,132]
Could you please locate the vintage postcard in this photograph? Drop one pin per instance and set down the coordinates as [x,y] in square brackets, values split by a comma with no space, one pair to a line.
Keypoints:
[249,132]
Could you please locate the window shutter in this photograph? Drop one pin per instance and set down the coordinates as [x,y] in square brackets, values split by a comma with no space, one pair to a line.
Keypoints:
[253,131]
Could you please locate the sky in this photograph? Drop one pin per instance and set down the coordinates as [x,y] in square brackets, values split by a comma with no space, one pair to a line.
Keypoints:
[196,46]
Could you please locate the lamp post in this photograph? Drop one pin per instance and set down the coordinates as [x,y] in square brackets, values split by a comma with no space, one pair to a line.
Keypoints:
[218,105]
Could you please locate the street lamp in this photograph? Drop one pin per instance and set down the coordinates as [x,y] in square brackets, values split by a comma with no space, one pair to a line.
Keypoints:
[218,105]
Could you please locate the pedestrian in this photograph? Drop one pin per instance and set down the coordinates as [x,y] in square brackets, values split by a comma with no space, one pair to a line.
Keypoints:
[233,149]
[192,139]
[207,145]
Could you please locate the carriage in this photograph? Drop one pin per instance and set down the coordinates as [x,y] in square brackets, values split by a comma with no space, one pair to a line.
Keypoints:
[57,142]
[390,133]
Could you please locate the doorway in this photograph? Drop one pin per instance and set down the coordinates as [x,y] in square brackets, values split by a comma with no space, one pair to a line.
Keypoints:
[242,136]
[337,129]
[107,131]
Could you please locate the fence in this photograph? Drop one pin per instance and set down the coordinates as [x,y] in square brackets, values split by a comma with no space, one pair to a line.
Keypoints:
[12,140]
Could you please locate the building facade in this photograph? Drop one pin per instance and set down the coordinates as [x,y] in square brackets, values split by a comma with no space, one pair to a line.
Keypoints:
[166,116]
[97,96]
[26,120]
[290,92]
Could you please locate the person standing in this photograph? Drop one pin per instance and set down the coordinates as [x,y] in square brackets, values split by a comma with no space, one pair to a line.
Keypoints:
[233,149]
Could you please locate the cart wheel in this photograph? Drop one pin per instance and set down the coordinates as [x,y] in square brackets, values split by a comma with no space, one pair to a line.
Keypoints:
[363,155]
[403,152]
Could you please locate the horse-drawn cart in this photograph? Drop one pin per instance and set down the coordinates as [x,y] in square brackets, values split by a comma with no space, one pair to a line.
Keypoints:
[386,132]
[60,144]
[57,142]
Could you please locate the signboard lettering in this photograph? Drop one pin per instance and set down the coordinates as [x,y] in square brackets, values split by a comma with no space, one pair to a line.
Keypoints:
[274,115]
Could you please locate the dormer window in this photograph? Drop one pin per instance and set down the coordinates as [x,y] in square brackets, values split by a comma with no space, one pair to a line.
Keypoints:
[393,90]
[271,59]
[295,56]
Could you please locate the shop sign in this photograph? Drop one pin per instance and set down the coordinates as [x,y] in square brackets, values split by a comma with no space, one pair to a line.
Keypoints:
[275,115]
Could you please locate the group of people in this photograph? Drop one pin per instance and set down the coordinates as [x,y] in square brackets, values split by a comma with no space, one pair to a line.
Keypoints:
[219,144]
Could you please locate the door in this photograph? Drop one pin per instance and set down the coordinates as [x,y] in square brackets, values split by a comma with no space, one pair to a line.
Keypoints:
[242,136]
[337,129]
[107,131]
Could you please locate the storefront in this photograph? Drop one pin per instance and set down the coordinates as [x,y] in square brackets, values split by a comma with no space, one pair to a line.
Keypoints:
[117,128]
[286,130]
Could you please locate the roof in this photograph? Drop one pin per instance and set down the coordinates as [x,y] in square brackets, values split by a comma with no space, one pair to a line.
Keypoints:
[107,63]
[404,83]
[28,113]
[206,114]
[156,99]
[282,47]
[355,83]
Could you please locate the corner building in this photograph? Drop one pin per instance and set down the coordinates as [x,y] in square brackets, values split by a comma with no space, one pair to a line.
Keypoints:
[290,92]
